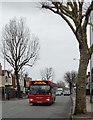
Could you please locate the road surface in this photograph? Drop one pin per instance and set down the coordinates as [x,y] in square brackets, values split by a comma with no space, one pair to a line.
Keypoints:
[21,109]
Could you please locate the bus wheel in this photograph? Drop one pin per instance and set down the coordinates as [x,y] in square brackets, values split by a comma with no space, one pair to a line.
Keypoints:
[31,104]
[53,100]
[50,103]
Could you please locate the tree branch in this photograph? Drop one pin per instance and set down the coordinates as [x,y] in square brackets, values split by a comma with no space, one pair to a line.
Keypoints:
[66,11]
[91,50]
[91,24]
[75,7]
[57,12]
[90,8]
[70,4]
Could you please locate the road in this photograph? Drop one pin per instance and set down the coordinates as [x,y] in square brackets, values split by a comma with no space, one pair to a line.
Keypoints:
[21,109]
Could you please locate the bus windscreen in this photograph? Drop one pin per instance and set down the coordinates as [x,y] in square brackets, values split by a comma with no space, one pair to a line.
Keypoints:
[39,90]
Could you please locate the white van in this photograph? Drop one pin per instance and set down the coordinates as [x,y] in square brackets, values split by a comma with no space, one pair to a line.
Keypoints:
[59,91]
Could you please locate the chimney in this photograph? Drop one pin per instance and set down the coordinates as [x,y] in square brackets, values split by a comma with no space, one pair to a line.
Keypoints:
[0,69]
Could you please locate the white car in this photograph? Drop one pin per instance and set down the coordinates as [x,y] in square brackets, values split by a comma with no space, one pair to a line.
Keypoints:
[59,93]
[66,92]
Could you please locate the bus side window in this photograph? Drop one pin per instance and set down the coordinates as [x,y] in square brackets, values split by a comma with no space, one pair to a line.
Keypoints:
[53,90]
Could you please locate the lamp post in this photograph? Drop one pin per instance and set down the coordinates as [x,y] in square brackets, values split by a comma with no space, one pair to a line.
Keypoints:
[4,70]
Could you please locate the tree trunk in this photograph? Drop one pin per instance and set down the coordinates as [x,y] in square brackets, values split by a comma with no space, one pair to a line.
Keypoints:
[70,84]
[80,107]
[18,86]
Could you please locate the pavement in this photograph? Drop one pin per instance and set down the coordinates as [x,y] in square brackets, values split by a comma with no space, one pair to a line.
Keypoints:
[14,99]
[89,107]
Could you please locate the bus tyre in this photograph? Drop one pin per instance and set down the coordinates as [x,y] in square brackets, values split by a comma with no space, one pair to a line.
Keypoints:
[50,103]
[31,104]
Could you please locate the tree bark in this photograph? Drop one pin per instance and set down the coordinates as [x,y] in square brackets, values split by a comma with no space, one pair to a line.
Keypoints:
[80,107]
[18,86]
[70,85]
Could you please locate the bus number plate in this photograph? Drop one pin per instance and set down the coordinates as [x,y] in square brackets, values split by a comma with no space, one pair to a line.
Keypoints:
[39,101]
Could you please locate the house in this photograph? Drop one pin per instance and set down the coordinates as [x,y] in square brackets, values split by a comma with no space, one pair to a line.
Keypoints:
[8,79]
[5,78]
[26,82]
[14,80]
[23,81]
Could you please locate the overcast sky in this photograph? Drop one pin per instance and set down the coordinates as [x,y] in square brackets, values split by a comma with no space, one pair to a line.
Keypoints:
[58,44]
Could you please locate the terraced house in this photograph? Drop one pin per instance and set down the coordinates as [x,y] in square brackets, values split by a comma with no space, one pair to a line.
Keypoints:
[5,78]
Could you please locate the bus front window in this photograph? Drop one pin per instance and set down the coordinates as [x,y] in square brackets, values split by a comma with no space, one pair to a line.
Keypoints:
[39,90]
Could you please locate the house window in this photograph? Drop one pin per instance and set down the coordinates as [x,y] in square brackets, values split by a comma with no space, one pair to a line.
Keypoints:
[6,79]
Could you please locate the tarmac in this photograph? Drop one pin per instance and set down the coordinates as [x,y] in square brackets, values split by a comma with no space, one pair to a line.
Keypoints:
[89,108]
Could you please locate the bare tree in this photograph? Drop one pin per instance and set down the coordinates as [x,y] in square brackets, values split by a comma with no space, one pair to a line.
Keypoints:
[18,47]
[70,78]
[77,18]
[47,74]
[61,84]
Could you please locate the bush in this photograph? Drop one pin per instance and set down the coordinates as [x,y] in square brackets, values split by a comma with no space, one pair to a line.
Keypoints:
[12,92]
[6,89]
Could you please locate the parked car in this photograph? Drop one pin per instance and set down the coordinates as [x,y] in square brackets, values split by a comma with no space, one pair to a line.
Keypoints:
[58,93]
[66,92]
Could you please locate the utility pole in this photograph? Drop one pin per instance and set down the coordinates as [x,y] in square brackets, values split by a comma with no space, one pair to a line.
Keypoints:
[4,70]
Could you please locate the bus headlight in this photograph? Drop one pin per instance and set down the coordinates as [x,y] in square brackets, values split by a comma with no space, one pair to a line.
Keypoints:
[48,99]
[31,99]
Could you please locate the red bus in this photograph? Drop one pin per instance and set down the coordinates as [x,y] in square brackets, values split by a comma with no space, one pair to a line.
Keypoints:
[42,92]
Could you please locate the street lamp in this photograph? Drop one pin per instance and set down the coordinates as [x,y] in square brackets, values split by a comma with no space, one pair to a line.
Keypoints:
[4,69]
